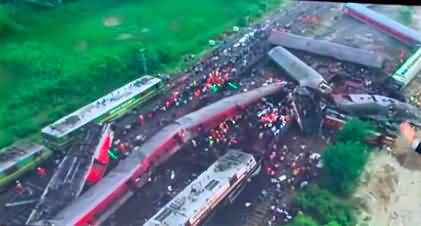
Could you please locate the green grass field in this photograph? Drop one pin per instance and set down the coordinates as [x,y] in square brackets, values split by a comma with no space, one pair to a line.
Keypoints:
[53,61]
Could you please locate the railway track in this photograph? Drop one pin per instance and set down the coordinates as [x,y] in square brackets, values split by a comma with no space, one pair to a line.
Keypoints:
[17,209]
[257,216]
[17,215]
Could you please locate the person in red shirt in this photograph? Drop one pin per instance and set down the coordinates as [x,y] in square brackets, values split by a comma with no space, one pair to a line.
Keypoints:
[402,55]
[41,172]
[141,119]
[19,188]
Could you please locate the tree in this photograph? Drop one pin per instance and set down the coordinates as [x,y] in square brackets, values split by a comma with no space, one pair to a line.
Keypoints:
[343,165]
[354,131]
[332,223]
[303,220]
[325,207]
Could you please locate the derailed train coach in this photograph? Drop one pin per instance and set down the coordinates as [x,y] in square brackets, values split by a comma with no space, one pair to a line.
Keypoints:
[100,201]
[303,74]
[84,165]
[385,112]
[380,107]
[398,31]
[327,48]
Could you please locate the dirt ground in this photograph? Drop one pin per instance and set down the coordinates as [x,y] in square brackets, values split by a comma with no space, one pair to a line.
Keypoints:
[390,194]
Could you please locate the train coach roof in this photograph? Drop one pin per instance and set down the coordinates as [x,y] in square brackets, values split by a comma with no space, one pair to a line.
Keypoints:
[327,48]
[90,112]
[195,197]
[359,8]
[297,69]
[158,139]
[221,106]
[17,152]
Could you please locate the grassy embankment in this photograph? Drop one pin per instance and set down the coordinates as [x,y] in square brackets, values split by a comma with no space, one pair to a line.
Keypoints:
[54,61]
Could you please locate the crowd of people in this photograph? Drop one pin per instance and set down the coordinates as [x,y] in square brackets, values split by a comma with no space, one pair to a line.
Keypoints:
[289,170]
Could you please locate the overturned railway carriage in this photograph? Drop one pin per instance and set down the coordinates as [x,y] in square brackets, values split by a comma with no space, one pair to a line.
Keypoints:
[59,134]
[384,112]
[380,107]
[298,70]
[100,158]
[84,164]
[335,120]
[96,205]
[326,48]
[225,178]
[20,158]
[398,31]
[408,70]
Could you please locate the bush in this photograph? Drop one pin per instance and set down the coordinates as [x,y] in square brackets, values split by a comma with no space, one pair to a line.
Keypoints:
[343,165]
[333,223]
[303,220]
[354,131]
[345,160]
[325,207]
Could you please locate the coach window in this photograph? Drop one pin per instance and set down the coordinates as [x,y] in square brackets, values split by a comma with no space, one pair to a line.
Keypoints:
[233,180]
